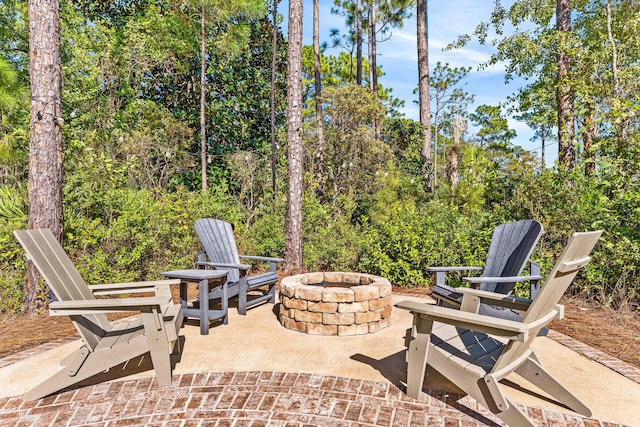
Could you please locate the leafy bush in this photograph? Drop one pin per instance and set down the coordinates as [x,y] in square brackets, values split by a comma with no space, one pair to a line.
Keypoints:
[331,240]
[13,216]
[136,234]
[406,242]
[12,265]
[564,203]
[264,235]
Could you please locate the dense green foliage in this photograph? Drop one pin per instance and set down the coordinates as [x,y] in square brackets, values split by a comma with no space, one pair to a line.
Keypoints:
[132,183]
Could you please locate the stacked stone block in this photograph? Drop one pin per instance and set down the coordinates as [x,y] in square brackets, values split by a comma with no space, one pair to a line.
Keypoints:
[360,305]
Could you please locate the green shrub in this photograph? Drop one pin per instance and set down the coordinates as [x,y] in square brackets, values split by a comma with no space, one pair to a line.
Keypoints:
[136,234]
[263,233]
[12,265]
[331,240]
[406,242]
[13,216]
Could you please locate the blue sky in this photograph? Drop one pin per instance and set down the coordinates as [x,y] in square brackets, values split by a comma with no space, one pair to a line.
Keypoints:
[398,56]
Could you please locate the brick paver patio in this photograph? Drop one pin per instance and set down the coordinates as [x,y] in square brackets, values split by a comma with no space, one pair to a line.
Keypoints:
[259,399]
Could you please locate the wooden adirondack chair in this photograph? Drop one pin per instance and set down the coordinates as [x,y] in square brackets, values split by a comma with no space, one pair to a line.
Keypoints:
[456,342]
[221,252]
[511,246]
[106,344]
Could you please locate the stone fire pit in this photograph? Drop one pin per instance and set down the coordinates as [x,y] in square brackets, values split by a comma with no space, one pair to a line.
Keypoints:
[335,303]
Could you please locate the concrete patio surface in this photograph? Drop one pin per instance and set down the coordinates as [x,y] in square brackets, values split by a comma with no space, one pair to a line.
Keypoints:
[229,377]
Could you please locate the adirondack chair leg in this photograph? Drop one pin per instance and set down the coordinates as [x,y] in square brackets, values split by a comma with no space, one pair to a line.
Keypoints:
[243,289]
[533,372]
[69,375]
[64,378]
[477,389]
[96,361]
[225,303]
[203,294]
[500,405]
[515,417]
[417,351]
[59,381]
[272,292]
[159,347]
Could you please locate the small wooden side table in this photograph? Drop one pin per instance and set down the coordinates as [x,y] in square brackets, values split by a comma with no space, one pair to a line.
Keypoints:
[204,279]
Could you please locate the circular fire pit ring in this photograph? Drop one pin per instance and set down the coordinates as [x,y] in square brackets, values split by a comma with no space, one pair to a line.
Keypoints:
[335,303]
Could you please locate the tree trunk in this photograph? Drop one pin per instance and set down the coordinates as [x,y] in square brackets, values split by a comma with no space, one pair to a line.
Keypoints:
[293,239]
[623,127]
[453,157]
[614,54]
[318,90]
[433,181]
[203,125]
[590,134]
[564,96]
[423,90]
[274,59]
[543,136]
[359,42]
[45,142]
[373,67]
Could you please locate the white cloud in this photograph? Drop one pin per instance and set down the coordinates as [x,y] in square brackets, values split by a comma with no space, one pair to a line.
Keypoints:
[402,47]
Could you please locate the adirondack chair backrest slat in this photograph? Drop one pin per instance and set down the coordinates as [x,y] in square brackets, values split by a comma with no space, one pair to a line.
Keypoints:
[219,243]
[564,271]
[511,246]
[44,250]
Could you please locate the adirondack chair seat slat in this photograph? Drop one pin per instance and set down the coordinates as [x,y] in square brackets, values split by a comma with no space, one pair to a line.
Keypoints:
[121,334]
[106,344]
[466,346]
[127,331]
[137,333]
[220,251]
[457,343]
[253,282]
[262,279]
[446,293]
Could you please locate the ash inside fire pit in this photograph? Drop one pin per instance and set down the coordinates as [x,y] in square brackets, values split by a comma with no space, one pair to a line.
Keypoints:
[335,303]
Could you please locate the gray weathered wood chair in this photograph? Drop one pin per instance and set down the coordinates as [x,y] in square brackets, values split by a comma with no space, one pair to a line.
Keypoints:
[509,251]
[106,344]
[221,252]
[457,343]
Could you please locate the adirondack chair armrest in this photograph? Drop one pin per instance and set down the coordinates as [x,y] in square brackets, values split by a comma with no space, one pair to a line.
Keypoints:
[108,305]
[512,330]
[272,261]
[447,269]
[492,298]
[262,258]
[223,265]
[506,279]
[475,282]
[131,287]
